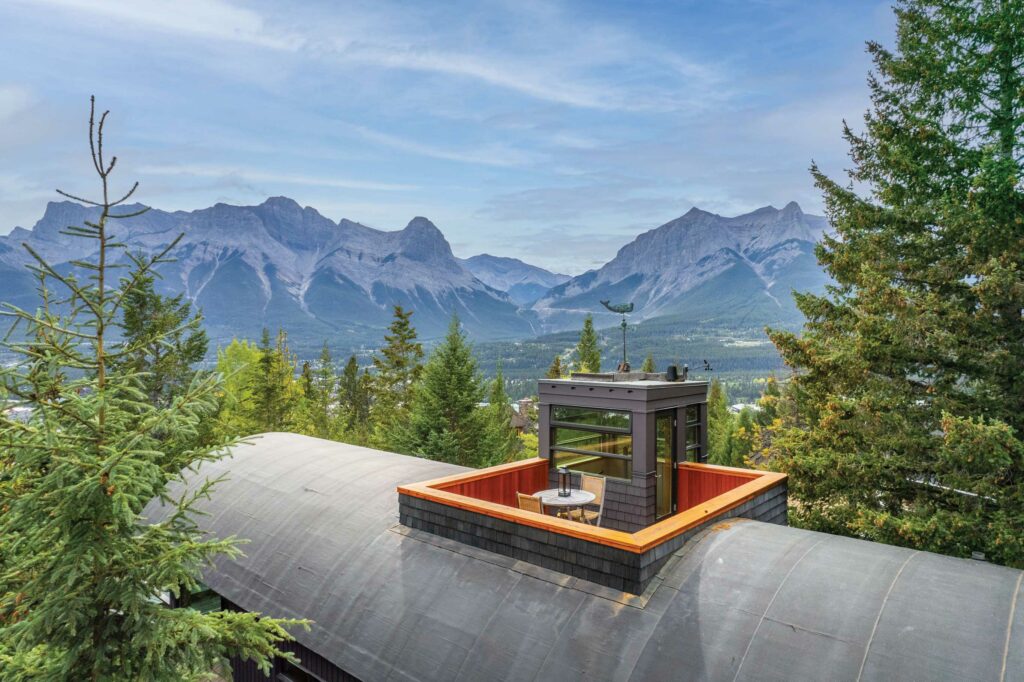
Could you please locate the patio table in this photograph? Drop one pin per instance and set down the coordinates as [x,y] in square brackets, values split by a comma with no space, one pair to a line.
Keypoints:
[576,499]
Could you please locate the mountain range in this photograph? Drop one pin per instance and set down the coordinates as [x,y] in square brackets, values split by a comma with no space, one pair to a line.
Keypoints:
[704,269]
[281,265]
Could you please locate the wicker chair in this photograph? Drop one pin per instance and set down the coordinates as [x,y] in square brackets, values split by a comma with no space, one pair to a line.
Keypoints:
[592,484]
[530,503]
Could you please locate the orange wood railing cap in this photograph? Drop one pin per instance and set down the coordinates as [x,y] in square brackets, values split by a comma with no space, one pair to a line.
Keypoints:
[638,542]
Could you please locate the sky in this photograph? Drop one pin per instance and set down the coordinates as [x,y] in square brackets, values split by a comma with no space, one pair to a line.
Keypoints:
[554,132]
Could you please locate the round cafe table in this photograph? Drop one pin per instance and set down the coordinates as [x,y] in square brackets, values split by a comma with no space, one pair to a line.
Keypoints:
[576,499]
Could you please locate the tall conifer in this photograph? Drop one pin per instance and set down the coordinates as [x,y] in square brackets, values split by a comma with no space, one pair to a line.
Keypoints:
[588,352]
[446,422]
[82,572]
[909,395]
[397,367]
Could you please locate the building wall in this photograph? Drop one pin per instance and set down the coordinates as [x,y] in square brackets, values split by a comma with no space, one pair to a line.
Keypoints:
[609,566]
[629,505]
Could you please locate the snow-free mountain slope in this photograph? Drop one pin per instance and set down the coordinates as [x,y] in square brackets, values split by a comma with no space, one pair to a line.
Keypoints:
[524,283]
[660,268]
[281,265]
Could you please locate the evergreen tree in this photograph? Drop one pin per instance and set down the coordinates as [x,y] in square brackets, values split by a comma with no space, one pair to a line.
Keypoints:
[446,422]
[648,365]
[720,425]
[502,439]
[275,393]
[321,399]
[588,353]
[82,571]
[908,401]
[397,367]
[162,341]
[555,370]
[354,396]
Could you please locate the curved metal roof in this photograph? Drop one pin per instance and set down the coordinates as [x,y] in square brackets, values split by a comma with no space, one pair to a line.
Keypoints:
[746,601]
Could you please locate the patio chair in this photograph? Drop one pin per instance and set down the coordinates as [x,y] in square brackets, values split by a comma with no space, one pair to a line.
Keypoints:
[592,484]
[530,503]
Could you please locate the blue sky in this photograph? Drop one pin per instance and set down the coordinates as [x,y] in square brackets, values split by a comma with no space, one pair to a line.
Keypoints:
[549,131]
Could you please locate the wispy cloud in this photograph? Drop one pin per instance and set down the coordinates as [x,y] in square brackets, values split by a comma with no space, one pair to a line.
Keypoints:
[488,155]
[257,176]
[197,18]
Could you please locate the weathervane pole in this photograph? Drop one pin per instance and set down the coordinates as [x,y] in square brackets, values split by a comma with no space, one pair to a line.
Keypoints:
[622,309]
[624,362]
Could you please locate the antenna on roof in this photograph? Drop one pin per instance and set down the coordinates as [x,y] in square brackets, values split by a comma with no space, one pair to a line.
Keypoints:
[622,309]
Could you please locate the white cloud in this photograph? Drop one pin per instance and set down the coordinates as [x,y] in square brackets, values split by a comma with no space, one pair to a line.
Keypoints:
[245,175]
[488,155]
[197,18]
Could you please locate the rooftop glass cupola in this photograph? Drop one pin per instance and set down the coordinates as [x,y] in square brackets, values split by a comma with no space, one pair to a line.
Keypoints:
[632,428]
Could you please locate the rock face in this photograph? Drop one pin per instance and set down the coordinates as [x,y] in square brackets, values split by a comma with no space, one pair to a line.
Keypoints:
[279,264]
[706,268]
[524,283]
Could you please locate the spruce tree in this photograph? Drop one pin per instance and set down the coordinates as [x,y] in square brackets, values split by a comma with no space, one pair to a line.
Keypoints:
[354,395]
[446,422]
[908,398]
[588,352]
[82,572]
[648,365]
[320,394]
[397,367]
[555,370]
[275,393]
[502,440]
[162,341]
[720,425]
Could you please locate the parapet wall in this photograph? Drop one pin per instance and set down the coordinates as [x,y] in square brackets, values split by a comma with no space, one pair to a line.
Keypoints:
[622,569]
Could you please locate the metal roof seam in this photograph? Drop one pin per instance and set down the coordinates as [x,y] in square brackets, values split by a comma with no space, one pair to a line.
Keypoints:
[1009,627]
[767,608]
[878,618]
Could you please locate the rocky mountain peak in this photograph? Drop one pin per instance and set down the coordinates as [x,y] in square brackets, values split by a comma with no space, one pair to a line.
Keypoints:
[422,241]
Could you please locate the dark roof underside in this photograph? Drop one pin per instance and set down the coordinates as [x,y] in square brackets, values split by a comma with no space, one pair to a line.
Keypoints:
[746,601]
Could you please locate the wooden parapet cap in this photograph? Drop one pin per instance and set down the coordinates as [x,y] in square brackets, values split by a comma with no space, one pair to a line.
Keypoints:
[639,542]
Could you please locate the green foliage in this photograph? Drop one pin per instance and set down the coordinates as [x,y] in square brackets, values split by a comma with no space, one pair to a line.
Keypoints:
[82,571]
[502,441]
[237,364]
[275,394]
[446,422]
[354,395]
[588,352]
[397,368]
[648,365]
[162,339]
[720,426]
[905,417]
[555,370]
[320,393]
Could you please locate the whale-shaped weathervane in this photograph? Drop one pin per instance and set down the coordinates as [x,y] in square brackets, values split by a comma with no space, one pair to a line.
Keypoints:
[622,308]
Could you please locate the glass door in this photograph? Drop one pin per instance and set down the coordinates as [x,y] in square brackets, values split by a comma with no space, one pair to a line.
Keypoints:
[665,444]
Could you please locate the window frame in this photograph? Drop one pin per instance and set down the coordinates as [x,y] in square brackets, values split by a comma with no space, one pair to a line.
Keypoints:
[555,424]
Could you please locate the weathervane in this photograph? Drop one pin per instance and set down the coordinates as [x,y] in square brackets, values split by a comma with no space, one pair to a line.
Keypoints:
[622,309]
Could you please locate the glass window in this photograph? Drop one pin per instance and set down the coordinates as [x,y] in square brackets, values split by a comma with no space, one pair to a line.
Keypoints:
[693,414]
[593,464]
[585,416]
[596,442]
[592,440]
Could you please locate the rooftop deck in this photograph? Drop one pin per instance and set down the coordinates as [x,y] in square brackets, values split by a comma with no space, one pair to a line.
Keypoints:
[479,508]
